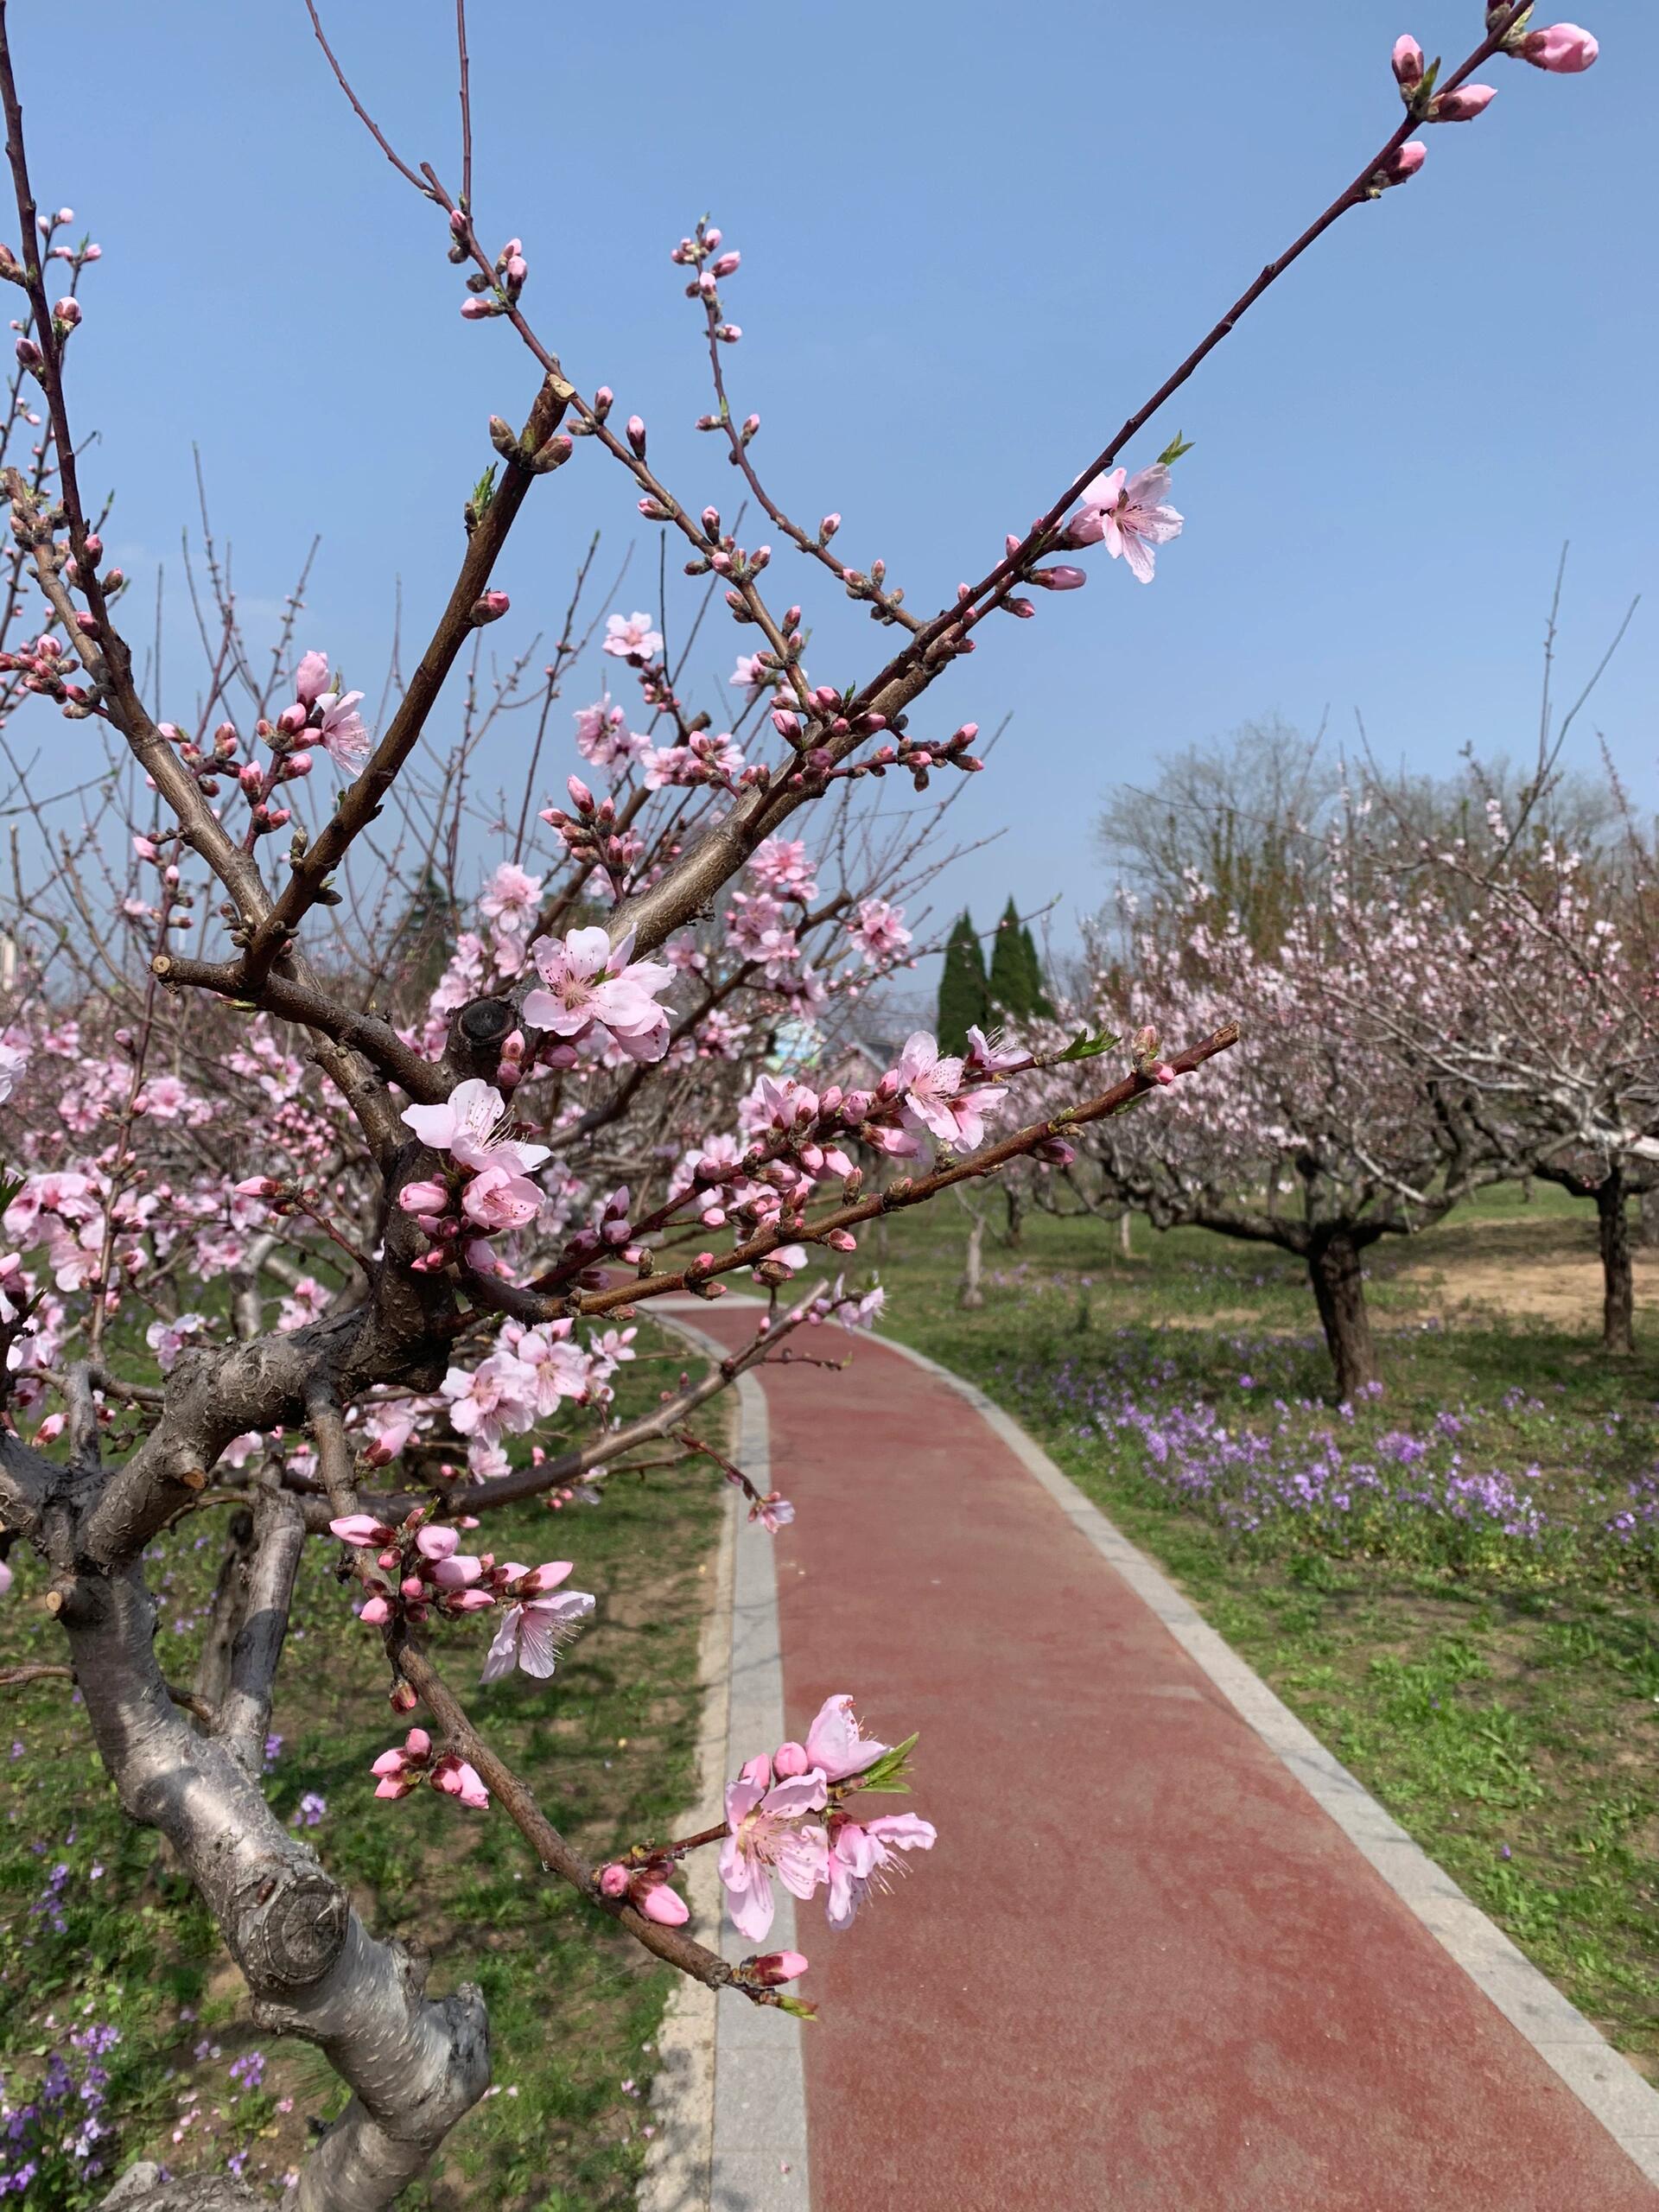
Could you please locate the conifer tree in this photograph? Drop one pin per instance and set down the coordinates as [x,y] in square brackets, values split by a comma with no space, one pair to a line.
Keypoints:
[964,994]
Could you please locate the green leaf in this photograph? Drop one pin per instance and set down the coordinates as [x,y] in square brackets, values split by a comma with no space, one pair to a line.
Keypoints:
[888,1771]
[1085,1048]
[798,2007]
[1173,452]
[483,492]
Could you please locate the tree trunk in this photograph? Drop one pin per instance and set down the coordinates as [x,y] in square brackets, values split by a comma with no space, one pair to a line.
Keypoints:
[970,1296]
[1618,1295]
[1338,1280]
[1125,1235]
[1015,1199]
[1647,1219]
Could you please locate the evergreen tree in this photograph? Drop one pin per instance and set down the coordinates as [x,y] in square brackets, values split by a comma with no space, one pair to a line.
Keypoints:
[1039,1004]
[1007,984]
[964,995]
[1016,984]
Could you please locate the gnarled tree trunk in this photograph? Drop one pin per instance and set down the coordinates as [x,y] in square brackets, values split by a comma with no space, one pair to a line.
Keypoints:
[1617,1286]
[1338,1279]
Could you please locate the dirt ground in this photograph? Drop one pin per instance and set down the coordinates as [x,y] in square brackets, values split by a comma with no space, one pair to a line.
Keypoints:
[1544,1270]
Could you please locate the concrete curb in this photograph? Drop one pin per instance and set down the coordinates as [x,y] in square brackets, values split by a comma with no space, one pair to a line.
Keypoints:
[729,2097]
[1625,2104]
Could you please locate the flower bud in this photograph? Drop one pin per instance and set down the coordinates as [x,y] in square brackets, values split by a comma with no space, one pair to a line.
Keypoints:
[1407,62]
[774,1967]
[1402,164]
[1463,105]
[637,435]
[489,606]
[613,1880]
[726,265]
[789,1760]
[1561,47]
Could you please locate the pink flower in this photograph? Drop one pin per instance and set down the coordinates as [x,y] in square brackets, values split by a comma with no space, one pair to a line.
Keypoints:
[630,637]
[934,1098]
[1562,47]
[1130,514]
[533,1629]
[769,1833]
[471,1126]
[496,1199]
[836,1742]
[878,930]
[311,679]
[590,983]
[862,1851]
[453,1775]
[345,736]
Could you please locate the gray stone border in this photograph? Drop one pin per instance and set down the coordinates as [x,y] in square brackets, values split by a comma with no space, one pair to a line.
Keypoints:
[1606,2083]
[729,2097]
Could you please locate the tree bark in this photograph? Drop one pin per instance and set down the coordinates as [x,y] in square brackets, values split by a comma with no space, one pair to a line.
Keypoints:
[1617,1293]
[312,1969]
[1338,1280]
[970,1296]
[1126,1234]
[1015,1199]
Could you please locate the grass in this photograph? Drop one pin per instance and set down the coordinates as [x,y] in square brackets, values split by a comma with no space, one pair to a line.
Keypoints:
[1498,1692]
[118,1940]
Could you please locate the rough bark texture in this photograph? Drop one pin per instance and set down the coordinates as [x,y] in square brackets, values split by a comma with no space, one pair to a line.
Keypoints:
[1339,1278]
[141,2188]
[1618,1295]
[314,1970]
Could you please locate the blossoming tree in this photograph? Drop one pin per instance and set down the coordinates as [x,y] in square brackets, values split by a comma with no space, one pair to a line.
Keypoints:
[460,1207]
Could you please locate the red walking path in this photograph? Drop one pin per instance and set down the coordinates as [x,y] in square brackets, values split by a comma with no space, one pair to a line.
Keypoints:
[1143,1968]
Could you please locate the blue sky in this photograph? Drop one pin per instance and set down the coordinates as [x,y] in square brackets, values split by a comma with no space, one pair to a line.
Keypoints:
[973,239]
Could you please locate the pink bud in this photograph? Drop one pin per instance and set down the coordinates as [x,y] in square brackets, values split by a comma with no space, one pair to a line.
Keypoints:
[292,720]
[257,1187]
[1060,579]
[1407,62]
[1562,47]
[417,1743]
[68,311]
[663,1905]
[581,797]
[402,1698]
[1402,164]
[728,264]
[613,1880]
[637,435]
[1163,1073]
[359,1528]
[436,1543]
[490,607]
[476,310]
[790,1759]
[376,1613]
[1463,105]
[775,1966]
[423,1198]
